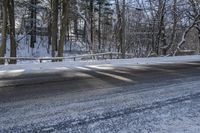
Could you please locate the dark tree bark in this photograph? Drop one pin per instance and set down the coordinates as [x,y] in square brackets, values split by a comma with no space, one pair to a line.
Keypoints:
[175,20]
[123,45]
[161,28]
[63,30]
[4,31]
[33,23]
[76,27]
[49,32]
[13,45]
[99,25]
[54,28]
[91,25]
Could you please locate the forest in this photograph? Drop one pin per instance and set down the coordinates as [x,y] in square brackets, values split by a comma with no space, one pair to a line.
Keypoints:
[59,28]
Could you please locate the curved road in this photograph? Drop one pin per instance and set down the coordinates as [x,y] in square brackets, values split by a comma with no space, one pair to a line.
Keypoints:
[154,98]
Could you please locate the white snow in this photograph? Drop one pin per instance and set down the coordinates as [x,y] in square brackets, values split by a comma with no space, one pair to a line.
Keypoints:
[92,64]
[47,110]
[41,47]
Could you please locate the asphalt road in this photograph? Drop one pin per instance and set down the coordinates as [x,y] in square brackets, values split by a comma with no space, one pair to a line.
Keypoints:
[154,98]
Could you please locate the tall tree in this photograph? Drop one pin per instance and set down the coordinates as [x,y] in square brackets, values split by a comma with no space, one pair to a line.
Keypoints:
[121,25]
[161,26]
[33,22]
[64,25]
[173,34]
[92,26]
[123,43]
[100,2]
[13,46]
[4,31]
[54,28]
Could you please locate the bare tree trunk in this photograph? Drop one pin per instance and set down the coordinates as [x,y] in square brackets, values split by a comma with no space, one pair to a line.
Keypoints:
[64,26]
[123,44]
[118,26]
[121,25]
[91,25]
[175,19]
[76,27]
[153,47]
[49,33]
[54,28]
[99,25]
[4,31]
[33,23]
[12,31]
[161,30]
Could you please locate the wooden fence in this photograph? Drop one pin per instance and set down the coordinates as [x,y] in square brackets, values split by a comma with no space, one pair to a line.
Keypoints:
[98,56]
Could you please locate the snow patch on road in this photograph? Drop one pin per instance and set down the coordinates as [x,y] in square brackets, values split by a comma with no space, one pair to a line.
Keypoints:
[92,64]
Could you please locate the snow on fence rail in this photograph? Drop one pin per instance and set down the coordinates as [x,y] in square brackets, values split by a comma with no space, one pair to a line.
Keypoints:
[40,59]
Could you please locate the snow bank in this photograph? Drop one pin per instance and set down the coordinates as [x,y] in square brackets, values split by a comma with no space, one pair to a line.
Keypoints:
[92,64]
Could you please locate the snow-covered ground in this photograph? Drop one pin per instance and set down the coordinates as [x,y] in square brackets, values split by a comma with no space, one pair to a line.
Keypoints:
[157,100]
[169,106]
[87,65]
[41,48]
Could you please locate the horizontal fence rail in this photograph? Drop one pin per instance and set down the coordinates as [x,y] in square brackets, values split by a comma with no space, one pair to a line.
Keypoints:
[97,56]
